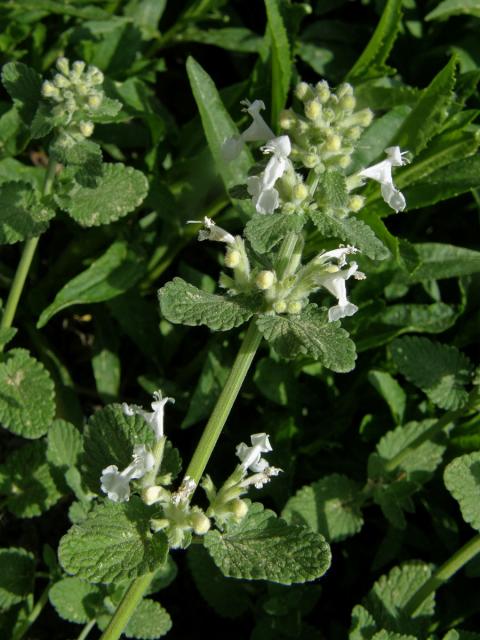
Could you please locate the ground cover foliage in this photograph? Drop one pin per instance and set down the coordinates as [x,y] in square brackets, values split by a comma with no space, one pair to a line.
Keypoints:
[122,122]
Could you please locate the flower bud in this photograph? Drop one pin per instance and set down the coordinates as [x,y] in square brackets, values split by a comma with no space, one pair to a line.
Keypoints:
[323,91]
[239,508]
[333,143]
[344,161]
[77,69]
[365,117]
[354,133]
[347,103]
[345,89]
[287,119]
[150,495]
[94,101]
[232,258]
[356,203]
[94,75]
[280,306]
[49,90]
[86,128]
[310,160]
[313,109]
[63,66]
[265,280]
[61,81]
[302,90]
[199,522]
[294,307]
[300,191]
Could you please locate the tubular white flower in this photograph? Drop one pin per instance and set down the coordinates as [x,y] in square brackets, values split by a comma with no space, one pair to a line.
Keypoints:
[251,457]
[262,188]
[382,173]
[116,484]
[153,418]
[258,131]
[212,231]
[335,283]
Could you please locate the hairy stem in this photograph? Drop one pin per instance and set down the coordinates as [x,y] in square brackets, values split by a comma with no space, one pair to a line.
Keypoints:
[86,629]
[20,631]
[443,573]
[25,260]
[126,608]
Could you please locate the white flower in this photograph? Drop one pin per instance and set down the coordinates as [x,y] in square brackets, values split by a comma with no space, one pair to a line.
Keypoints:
[261,478]
[116,484]
[258,131]
[153,418]
[212,231]
[264,196]
[251,457]
[382,173]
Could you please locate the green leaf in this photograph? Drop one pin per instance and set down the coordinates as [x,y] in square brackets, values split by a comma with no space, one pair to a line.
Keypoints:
[85,153]
[264,547]
[64,444]
[76,600]
[114,543]
[350,230]
[118,269]
[227,597]
[391,635]
[22,214]
[27,403]
[276,382]
[332,190]
[23,85]
[109,438]
[449,8]
[441,371]
[390,594]
[217,124]
[280,57]
[429,113]
[371,62]
[182,303]
[310,334]
[265,231]
[329,506]
[17,574]
[230,38]
[118,190]
[462,479]
[149,621]
[106,361]
[436,261]
[31,485]
[363,625]
[391,392]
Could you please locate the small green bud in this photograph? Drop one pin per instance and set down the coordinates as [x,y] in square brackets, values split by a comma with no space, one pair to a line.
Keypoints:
[199,522]
[365,117]
[323,91]
[329,114]
[302,91]
[49,90]
[300,192]
[86,128]
[294,307]
[287,119]
[280,306]
[354,133]
[333,143]
[356,203]
[232,258]
[61,81]
[310,160]
[94,101]
[154,494]
[344,161]
[77,69]
[94,75]
[239,508]
[345,89]
[313,109]
[265,280]
[63,66]
[347,103]
[83,88]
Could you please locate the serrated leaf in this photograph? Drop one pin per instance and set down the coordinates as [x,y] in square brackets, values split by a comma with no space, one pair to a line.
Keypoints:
[118,190]
[149,621]
[441,371]
[44,120]
[114,543]
[76,600]
[351,230]
[227,597]
[429,113]
[436,261]
[391,392]
[280,56]
[217,124]
[332,190]
[329,506]
[109,438]
[391,635]
[30,484]
[363,625]
[264,547]
[27,404]
[118,269]
[394,500]
[23,85]
[265,231]
[309,333]
[64,444]
[182,303]
[371,62]
[17,574]
[85,153]
[390,594]
[462,479]
[449,8]
[22,214]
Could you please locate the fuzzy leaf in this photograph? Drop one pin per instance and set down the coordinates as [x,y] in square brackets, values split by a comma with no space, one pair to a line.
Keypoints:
[435,261]
[27,404]
[118,269]
[114,543]
[22,215]
[327,506]
[118,190]
[76,600]
[462,479]
[390,594]
[441,371]
[31,485]
[449,8]
[149,621]
[23,85]
[391,392]
[17,574]
[363,625]
[266,231]
[310,334]
[264,547]
[64,444]
[182,303]
[109,438]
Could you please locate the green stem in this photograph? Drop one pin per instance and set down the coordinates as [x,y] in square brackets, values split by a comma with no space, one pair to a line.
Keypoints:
[26,260]
[86,629]
[126,608]
[443,573]
[224,404]
[285,254]
[20,631]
